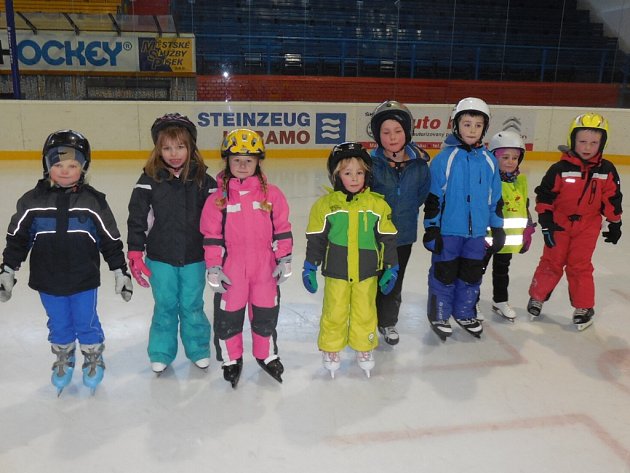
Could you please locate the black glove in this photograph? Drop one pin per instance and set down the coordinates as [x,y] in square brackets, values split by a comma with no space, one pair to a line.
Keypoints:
[498,240]
[614,232]
[432,240]
[549,227]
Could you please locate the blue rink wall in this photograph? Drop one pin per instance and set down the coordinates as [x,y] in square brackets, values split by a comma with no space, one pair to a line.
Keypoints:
[120,130]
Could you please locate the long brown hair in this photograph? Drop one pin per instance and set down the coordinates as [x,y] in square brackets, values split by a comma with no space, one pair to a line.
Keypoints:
[155,163]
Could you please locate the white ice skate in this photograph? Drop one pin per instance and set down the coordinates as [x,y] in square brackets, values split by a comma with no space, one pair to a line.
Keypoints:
[158,368]
[331,361]
[504,309]
[202,363]
[366,361]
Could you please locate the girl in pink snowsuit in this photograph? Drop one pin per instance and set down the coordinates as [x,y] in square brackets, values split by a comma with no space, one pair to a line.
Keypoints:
[248,244]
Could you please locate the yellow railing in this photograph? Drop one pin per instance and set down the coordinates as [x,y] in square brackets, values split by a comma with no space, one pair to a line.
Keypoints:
[66,6]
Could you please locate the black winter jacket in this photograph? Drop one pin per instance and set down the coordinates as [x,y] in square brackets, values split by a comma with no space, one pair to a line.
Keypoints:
[64,229]
[164,218]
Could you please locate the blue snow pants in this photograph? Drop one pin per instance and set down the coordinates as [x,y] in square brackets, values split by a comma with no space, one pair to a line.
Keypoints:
[178,295]
[73,317]
[454,278]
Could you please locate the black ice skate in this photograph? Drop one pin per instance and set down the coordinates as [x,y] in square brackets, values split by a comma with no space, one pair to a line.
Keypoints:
[442,328]
[232,371]
[273,367]
[534,307]
[583,318]
[472,326]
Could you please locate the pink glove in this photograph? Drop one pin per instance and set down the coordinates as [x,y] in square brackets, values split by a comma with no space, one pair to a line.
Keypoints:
[527,237]
[138,268]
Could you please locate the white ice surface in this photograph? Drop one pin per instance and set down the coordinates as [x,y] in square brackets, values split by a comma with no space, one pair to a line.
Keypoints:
[527,397]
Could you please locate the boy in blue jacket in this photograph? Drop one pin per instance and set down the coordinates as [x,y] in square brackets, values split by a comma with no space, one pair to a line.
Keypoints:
[464,200]
[401,174]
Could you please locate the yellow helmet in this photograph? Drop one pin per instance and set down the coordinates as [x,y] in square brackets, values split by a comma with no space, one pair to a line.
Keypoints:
[588,121]
[243,141]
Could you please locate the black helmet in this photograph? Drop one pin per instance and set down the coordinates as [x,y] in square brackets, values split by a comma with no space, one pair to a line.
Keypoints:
[53,150]
[391,110]
[346,150]
[173,119]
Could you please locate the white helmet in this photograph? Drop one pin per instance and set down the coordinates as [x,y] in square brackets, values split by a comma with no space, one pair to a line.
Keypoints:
[470,104]
[507,139]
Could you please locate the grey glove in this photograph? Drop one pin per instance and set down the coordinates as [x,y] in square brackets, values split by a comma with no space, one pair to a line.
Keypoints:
[283,269]
[217,278]
[122,284]
[7,281]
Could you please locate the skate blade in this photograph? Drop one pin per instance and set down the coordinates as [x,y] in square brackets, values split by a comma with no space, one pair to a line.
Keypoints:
[367,373]
[59,391]
[584,326]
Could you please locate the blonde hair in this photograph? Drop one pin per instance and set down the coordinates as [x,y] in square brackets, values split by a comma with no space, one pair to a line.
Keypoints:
[155,163]
[225,180]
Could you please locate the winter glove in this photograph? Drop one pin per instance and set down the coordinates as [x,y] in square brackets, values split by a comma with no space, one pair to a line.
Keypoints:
[527,237]
[614,232]
[309,277]
[388,279]
[283,269]
[549,227]
[217,279]
[122,284]
[138,268]
[498,240]
[7,281]
[432,240]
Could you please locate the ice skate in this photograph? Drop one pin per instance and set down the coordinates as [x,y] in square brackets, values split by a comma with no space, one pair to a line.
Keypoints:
[63,367]
[472,326]
[365,359]
[203,363]
[479,315]
[158,368]
[504,309]
[331,361]
[232,371]
[442,328]
[93,365]
[390,335]
[534,307]
[583,318]
[272,366]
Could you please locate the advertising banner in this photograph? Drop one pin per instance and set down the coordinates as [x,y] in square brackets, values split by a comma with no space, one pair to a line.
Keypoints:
[50,51]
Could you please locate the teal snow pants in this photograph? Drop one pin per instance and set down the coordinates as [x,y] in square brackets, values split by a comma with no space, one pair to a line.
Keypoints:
[178,295]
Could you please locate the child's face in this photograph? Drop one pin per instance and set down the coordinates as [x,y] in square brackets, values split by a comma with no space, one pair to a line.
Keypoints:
[66,173]
[392,136]
[352,176]
[508,159]
[587,143]
[471,128]
[243,166]
[174,152]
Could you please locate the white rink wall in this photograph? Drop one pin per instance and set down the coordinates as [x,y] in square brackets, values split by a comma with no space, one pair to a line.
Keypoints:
[291,129]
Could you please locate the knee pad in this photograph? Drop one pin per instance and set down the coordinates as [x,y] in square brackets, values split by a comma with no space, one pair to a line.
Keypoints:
[227,324]
[265,320]
[471,270]
[446,271]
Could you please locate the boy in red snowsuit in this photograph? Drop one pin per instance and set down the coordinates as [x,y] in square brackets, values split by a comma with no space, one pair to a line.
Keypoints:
[571,200]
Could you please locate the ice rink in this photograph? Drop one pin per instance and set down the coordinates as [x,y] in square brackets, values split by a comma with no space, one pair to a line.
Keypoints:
[526,397]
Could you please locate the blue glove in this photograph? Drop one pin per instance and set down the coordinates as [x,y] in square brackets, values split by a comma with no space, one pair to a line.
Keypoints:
[548,228]
[309,277]
[432,240]
[388,279]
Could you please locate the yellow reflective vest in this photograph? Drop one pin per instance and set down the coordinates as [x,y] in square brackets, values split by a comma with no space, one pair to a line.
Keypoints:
[515,214]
